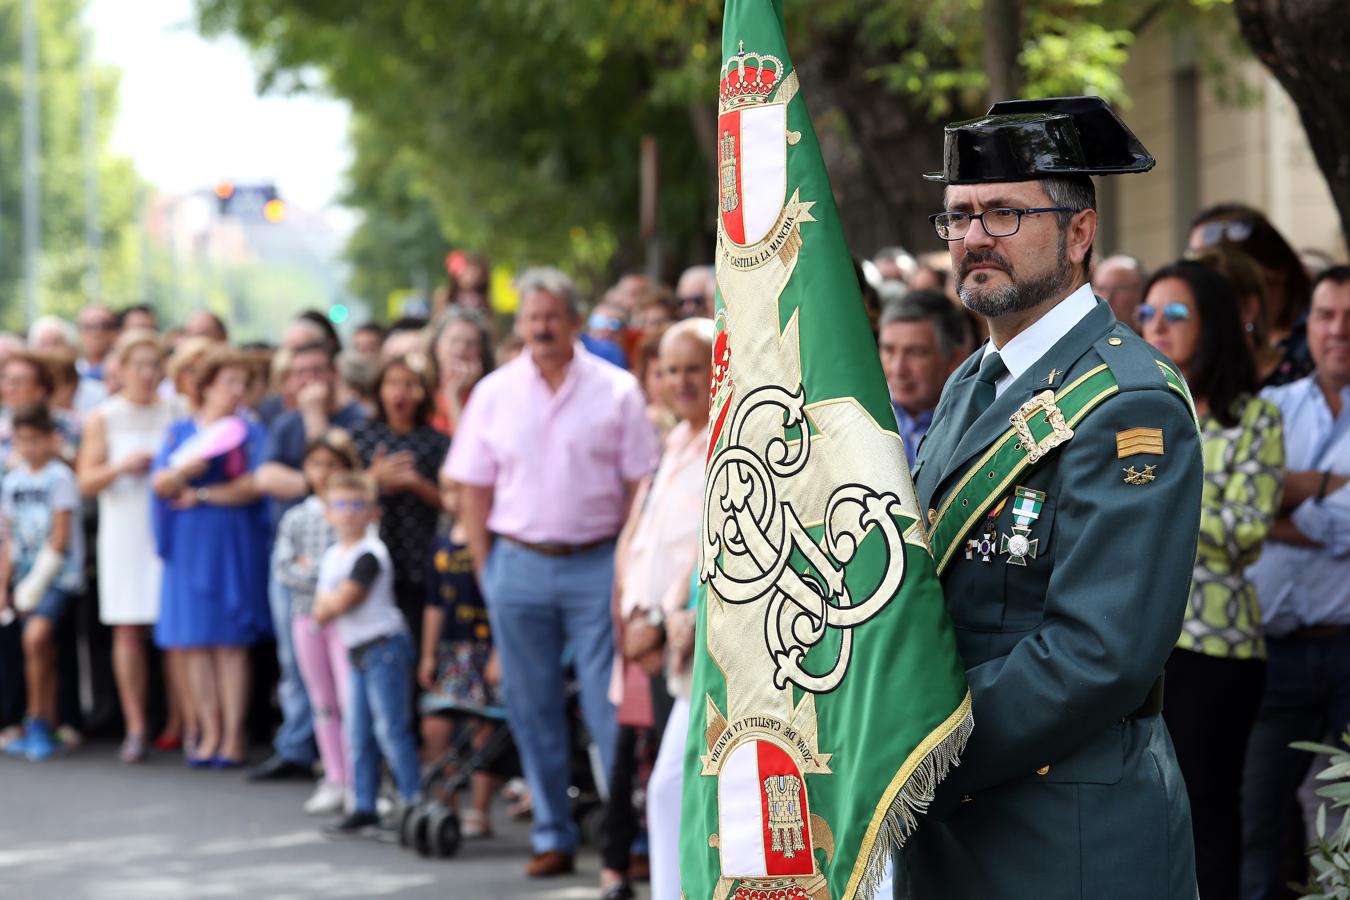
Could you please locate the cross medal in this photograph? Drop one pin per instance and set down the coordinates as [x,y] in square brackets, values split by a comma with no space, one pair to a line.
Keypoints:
[1020,545]
[982,547]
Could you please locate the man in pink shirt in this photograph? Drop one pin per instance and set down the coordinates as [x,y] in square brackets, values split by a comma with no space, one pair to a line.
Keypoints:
[550,448]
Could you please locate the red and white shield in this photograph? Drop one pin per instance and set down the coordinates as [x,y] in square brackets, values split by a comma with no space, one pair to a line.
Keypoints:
[762,814]
[752,164]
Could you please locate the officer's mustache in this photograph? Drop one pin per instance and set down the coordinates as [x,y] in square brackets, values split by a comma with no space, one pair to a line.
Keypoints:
[975,258]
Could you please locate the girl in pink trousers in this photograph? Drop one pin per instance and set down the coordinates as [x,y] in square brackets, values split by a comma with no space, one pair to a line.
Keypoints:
[302,537]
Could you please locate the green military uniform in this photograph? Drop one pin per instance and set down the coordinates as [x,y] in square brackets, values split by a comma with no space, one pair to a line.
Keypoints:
[1069,788]
[1061,794]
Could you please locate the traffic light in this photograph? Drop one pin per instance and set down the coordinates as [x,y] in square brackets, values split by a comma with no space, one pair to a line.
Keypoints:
[250,201]
[338,313]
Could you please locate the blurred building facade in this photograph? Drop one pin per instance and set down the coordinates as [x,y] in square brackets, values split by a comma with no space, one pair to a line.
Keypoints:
[1212,147]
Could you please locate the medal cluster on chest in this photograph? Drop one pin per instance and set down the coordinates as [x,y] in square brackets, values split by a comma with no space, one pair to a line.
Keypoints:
[1020,545]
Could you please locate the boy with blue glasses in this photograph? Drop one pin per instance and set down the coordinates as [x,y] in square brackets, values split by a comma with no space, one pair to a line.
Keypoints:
[356,589]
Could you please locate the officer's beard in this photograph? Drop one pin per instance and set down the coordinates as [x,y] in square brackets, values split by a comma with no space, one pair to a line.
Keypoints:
[1018,295]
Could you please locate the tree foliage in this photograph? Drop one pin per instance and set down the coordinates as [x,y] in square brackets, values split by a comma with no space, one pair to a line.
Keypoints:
[399,243]
[517,122]
[65,254]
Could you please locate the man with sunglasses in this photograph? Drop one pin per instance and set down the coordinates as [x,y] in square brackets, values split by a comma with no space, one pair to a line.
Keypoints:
[99,327]
[1062,478]
[694,292]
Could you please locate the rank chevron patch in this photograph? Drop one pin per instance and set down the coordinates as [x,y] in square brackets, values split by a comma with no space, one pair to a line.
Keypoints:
[1136,441]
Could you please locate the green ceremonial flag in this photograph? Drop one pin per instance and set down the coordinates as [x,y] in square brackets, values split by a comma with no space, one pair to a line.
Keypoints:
[828,699]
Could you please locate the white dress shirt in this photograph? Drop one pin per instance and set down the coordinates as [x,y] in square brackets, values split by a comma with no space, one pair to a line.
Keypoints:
[1022,352]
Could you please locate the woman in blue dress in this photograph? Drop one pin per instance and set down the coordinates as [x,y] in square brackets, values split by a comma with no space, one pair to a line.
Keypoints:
[211,529]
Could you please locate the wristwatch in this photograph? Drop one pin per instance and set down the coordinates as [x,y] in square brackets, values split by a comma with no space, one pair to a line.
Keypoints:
[656,618]
[200,494]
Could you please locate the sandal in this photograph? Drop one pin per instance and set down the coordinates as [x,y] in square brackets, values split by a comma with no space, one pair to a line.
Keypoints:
[133,749]
[474,825]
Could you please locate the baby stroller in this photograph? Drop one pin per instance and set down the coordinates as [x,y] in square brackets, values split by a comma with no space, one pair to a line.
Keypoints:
[432,829]
[430,826]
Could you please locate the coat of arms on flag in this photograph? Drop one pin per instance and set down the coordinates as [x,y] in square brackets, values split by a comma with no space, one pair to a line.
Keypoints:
[828,697]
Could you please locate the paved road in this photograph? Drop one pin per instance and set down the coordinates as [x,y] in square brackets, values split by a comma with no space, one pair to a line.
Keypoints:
[86,826]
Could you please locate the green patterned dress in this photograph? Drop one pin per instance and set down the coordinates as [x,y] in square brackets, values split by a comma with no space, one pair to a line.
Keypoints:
[1244,475]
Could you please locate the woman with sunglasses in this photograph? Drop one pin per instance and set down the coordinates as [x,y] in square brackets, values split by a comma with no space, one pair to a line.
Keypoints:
[1216,673]
[1286,283]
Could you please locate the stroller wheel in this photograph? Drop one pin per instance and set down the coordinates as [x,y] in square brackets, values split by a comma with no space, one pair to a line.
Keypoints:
[414,830]
[404,825]
[405,833]
[442,831]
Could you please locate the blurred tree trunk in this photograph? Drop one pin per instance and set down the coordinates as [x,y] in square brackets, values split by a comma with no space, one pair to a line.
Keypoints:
[1304,45]
[877,143]
[1002,43]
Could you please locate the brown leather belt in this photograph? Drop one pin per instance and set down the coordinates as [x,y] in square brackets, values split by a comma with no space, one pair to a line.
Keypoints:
[1320,631]
[556,550]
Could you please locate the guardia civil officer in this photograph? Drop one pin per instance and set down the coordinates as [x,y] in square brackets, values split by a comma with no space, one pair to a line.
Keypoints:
[1062,479]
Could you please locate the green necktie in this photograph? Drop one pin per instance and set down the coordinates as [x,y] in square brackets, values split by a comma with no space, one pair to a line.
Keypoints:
[982,393]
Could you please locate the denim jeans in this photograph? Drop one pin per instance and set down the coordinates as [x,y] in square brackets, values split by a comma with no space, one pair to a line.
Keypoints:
[294,740]
[538,605]
[1307,698]
[380,719]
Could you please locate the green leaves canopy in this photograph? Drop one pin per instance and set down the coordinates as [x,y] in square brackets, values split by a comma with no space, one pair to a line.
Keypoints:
[517,122]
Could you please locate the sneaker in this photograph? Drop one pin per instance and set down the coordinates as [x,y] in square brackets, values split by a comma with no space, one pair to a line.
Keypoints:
[39,744]
[10,735]
[17,747]
[278,768]
[383,806]
[352,824]
[327,799]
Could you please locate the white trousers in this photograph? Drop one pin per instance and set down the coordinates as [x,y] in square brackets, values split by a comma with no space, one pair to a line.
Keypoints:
[664,791]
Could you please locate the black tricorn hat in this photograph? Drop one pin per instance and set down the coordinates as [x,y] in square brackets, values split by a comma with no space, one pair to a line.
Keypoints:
[1023,140]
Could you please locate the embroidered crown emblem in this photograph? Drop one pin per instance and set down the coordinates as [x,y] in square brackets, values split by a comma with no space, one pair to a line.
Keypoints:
[749,78]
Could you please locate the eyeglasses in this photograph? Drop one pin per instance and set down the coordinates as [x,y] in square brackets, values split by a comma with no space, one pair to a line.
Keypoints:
[349,505]
[1234,231]
[1172,312]
[601,322]
[104,325]
[691,301]
[1000,222]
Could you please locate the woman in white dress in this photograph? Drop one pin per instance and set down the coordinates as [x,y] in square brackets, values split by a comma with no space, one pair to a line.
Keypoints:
[120,439]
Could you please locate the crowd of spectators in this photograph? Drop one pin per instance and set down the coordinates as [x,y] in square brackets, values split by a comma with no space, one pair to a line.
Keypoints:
[283,535]
[449,528]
